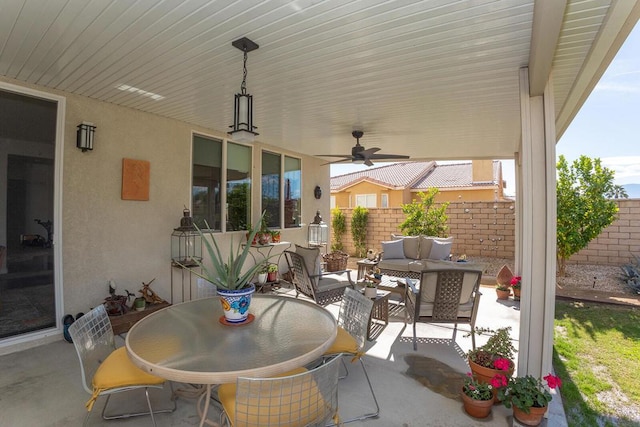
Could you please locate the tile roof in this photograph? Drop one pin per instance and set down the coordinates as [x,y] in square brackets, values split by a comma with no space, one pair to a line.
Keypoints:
[397,176]
[416,175]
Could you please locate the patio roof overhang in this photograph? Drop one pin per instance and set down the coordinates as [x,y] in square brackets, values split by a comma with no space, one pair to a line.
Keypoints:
[434,80]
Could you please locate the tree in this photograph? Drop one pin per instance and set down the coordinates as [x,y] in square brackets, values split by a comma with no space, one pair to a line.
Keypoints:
[339,224]
[359,220]
[584,192]
[425,218]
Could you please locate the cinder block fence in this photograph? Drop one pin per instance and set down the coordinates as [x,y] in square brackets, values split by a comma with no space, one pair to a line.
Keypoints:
[488,229]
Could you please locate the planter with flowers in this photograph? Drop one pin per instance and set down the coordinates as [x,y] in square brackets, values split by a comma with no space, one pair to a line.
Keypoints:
[477,396]
[493,358]
[503,291]
[515,283]
[529,397]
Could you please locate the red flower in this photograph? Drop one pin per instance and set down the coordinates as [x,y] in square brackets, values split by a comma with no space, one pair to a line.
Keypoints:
[553,381]
[515,280]
[502,364]
[498,381]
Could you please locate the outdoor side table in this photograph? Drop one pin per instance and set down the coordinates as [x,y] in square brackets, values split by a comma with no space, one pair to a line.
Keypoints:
[379,317]
[363,266]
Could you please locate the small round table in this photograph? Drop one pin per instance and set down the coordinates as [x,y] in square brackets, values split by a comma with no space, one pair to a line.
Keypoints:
[187,343]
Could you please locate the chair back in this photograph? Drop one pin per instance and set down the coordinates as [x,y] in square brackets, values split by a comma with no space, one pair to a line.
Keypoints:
[353,317]
[309,398]
[301,280]
[93,339]
[446,290]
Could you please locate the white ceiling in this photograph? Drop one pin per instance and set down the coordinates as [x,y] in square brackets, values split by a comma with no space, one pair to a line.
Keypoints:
[434,79]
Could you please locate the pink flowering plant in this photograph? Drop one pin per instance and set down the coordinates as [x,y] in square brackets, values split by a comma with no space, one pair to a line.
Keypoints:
[526,392]
[477,390]
[516,281]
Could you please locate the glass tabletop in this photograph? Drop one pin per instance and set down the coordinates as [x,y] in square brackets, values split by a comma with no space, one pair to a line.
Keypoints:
[187,343]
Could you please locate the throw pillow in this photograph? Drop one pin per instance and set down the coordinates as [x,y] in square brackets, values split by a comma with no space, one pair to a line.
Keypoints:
[311,258]
[440,250]
[410,245]
[393,250]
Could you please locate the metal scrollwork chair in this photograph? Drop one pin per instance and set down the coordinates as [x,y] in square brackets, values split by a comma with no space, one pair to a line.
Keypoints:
[353,319]
[297,398]
[323,288]
[445,295]
[105,369]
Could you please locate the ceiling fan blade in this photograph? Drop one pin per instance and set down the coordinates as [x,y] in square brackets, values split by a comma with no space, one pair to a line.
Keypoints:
[338,161]
[368,162]
[344,156]
[369,151]
[388,156]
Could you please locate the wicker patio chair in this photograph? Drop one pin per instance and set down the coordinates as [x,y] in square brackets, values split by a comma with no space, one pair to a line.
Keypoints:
[323,288]
[106,370]
[295,399]
[445,296]
[353,319]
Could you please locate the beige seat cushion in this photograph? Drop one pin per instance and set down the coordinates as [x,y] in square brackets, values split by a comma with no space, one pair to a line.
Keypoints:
[394,264]
[410,245]
[464,310]
[312,261]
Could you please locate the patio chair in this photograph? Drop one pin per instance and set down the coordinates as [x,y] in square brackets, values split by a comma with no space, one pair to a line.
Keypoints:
[445,295]
[105,369]
[309,280]
[353,319]
[297,398]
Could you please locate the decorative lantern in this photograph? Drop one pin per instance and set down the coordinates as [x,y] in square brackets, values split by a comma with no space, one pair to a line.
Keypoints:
[186,243]
[318,232]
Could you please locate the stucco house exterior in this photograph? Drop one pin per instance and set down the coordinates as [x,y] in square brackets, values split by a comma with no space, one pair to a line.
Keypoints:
[393,185]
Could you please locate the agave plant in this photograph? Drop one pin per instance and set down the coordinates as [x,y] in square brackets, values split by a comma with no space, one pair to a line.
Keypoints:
[227,274]
[632,275]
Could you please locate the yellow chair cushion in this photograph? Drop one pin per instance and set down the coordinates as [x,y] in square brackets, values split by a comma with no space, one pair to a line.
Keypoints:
[118,371]
[294,403]
[344,343]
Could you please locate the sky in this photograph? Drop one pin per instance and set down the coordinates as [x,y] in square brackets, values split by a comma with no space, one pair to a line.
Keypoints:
[606,127]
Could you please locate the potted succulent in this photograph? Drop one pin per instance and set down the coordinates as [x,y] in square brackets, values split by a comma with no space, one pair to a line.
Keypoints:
[477,396]
[275,236]
[262,274]
[503,291]
[234,285]
[494,357]
[272,272]
[516,283]
[529,397]
[370,289]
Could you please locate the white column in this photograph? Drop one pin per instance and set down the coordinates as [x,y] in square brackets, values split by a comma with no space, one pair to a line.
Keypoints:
[537,230]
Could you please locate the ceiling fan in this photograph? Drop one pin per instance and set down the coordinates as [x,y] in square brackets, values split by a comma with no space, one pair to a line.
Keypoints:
[361,154]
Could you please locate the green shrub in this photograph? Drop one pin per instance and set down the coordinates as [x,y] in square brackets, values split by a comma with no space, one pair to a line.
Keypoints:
[424,218]
[359,222]
[339,225]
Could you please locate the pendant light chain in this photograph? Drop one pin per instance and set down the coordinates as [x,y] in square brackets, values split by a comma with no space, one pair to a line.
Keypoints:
[243,86]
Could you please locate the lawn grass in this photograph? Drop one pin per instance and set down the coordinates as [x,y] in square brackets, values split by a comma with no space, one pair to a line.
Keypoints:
[597,355]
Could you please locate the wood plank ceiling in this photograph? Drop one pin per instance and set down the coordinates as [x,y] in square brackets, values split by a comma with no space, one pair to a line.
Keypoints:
[433,79]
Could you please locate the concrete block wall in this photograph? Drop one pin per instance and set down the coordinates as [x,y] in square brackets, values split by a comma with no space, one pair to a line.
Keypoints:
[488,229]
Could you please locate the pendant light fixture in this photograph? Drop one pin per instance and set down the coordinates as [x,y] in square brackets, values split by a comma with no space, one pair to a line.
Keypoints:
[242,128]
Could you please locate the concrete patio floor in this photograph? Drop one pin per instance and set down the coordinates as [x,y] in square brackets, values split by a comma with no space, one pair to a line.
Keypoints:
[41,386]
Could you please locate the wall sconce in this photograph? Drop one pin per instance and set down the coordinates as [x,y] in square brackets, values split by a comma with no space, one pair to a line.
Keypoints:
[317,192]
[84,136]
[318,232]
[242,128]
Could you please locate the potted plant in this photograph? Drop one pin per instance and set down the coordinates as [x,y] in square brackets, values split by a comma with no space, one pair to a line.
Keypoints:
[477,396]
[233,285]
[272,272]
[515,283]
[275,236]
[529,397]
[503,291]
[494,357]
[262,274]
[370,289]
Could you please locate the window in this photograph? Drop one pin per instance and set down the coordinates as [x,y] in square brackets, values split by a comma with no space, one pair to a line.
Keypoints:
[207,177]
[366,200]
[271,188]
[238,186]
[333,202]
[292,191]
[384,200]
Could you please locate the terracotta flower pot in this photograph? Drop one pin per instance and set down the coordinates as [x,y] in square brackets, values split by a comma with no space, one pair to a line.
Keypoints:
[485,375]
[503,294]
[533,418]
[516,293]
[477,408]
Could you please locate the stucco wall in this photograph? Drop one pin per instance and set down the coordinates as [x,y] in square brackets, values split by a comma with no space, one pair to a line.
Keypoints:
[104,237]
[488,229]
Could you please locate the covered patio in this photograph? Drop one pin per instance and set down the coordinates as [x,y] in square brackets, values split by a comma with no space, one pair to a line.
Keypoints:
[434,80]
[413,387]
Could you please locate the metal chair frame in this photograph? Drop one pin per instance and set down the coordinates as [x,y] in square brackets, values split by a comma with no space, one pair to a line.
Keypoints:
[94,341]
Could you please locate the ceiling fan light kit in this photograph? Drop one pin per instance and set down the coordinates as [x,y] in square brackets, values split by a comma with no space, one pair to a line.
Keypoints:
[361,155]
[243,128]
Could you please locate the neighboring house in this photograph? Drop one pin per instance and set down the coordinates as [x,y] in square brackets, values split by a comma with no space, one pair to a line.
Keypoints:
[397,184]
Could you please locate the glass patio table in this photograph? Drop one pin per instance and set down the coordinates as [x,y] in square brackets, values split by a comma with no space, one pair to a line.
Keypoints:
[187,342]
